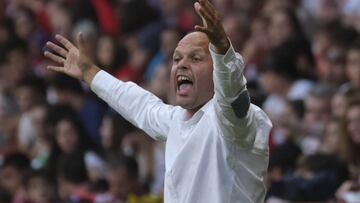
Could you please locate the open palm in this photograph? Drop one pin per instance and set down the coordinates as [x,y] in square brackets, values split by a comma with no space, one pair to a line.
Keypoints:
[71,60]
[212,25]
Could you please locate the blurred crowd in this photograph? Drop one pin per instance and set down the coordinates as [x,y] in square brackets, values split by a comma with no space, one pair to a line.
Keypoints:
[60,143]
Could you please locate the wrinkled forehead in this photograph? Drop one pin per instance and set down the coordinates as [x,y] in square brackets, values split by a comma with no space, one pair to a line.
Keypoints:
[193,40]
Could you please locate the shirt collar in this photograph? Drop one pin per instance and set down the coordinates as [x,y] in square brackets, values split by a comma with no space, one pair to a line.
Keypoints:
[206,106]
[196,117]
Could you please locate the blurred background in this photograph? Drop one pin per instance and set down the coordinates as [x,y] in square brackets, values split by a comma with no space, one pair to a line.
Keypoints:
[60,143]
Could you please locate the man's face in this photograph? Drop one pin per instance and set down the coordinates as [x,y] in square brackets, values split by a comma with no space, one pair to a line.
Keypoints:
[191,73]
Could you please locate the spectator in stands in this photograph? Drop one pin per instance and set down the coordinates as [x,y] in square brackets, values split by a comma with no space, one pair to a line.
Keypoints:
[334,69]
[353,67]
[256,47]
[284,25]
[340,102]
[40,152]
[58,15]
[282,163]
[282,81]
[12,171]
[14,70]
[9,122]
[72,177]
[159,84]
[70,136]
[316,178]
[237,28]
[349,141]
[39,187]
[329,142]
[28,93]
[109,54]
[349,148]
[168,41]
[317,114]
[70,92]
[27,29]
[123,174]
[113,129]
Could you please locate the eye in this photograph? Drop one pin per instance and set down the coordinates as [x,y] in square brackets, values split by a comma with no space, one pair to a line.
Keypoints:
[196,58]
[176,59]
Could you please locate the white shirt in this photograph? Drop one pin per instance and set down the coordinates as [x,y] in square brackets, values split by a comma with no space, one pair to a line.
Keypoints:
[213,157]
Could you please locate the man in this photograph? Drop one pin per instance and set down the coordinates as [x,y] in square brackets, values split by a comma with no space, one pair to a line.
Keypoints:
[216,141]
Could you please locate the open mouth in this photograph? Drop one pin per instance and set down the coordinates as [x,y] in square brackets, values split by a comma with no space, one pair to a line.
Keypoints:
[184,84]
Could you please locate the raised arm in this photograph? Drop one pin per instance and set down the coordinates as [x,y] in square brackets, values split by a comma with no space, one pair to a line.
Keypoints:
[137,105]
[228,65]
[236,116]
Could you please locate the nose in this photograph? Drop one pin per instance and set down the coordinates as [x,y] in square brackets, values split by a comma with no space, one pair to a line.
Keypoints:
[183,64]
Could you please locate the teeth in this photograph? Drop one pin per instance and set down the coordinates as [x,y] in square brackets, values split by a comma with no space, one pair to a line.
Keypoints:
[182,77]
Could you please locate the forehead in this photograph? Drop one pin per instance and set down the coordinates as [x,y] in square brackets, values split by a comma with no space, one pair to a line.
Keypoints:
[192,42]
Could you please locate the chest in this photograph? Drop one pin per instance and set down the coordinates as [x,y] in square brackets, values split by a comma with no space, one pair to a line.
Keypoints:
[188,142]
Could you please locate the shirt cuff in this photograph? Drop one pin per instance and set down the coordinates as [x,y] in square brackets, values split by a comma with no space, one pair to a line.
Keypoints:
[220,60]
[102,81]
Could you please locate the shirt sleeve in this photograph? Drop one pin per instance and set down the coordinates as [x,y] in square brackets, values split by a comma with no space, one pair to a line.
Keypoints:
[235,114]
[135,104]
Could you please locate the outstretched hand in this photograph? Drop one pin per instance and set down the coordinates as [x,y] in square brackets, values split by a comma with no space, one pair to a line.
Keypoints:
[212,26]
[71,60]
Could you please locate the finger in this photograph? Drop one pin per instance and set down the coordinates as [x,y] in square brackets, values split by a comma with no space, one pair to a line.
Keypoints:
[56,68]
[54,57]
[67,44]
[81,42]
[205,15]
[208,7]
[59,50]
[197,9]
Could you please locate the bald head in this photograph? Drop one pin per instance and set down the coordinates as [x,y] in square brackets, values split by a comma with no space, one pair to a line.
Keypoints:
[196,39]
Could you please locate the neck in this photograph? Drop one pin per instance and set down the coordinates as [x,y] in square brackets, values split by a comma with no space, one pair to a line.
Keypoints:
[190,112]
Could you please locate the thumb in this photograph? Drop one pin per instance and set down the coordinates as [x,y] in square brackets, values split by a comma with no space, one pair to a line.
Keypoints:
[81,42]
